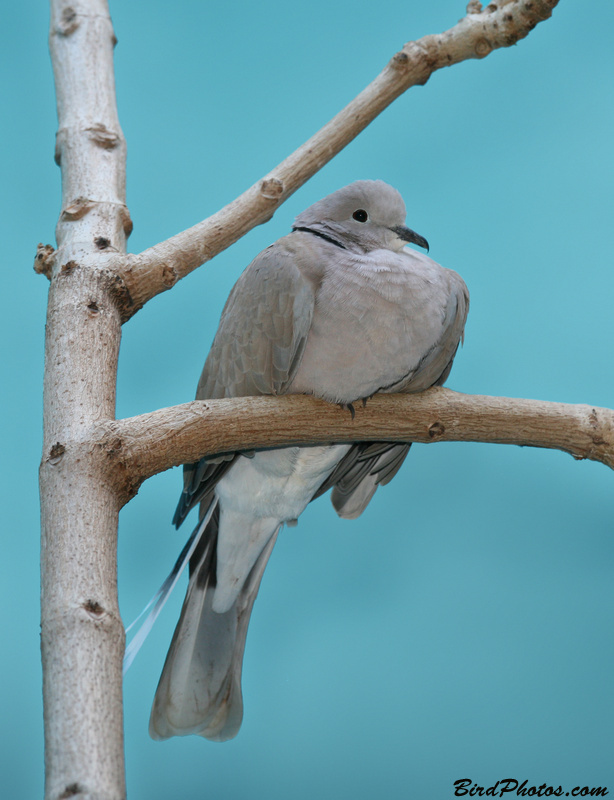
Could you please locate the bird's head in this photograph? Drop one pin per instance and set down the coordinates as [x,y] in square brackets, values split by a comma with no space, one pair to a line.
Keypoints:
[363,216]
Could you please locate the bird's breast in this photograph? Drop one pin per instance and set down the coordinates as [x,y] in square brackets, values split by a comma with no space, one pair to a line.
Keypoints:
[372,325]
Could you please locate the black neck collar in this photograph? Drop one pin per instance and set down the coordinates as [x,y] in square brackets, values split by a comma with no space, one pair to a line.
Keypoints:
[321,235]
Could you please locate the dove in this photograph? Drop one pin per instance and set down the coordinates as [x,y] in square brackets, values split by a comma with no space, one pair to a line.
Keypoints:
[341,309]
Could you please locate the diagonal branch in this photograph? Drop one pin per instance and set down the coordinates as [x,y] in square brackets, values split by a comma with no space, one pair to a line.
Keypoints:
[144,445]
[501,24]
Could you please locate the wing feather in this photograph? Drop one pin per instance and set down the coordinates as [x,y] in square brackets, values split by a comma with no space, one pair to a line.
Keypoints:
[256,351]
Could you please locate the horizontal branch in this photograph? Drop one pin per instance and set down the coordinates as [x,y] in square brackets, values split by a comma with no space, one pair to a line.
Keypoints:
[145,445]
[501,24]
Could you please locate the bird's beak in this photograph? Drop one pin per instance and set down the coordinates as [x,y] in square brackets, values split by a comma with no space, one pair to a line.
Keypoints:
[410,236]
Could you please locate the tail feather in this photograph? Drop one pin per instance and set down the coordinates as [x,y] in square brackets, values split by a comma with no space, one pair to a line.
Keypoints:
[200,687]
[374,466]
[156,604]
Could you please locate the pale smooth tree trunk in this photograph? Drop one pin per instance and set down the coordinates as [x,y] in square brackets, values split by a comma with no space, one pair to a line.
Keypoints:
[92,464]
[82,632]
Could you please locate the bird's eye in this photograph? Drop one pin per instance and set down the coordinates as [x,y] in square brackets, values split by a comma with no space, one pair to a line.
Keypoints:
[360,215]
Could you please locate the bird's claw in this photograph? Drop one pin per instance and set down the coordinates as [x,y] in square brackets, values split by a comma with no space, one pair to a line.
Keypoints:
[349,407]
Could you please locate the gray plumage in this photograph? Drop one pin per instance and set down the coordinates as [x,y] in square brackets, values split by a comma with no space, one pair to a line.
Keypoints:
[340,309]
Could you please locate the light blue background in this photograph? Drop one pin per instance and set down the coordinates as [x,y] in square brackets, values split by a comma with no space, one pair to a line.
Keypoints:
[463,627]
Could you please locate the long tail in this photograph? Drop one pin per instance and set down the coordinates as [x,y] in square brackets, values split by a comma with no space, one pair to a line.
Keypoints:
[164,592]
[200,687]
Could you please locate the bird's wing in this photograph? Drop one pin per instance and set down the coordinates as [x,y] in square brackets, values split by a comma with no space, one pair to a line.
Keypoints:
[452,330]
[257,348]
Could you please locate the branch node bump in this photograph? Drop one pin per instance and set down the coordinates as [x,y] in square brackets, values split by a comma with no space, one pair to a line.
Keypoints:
[596,434]
[68,267]
[71,790]
[126,221]
[69,22]
[56,453]
[93,307]
[436,429]
[77,209]
[400,60]
[102,136]
[94,609]
[423,56]
[483,47]
[474,7]
[169,276]
[102,242]
[44,259]
[271,188]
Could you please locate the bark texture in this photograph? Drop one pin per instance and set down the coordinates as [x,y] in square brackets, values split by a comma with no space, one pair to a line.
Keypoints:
[82,633]
[142,446]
